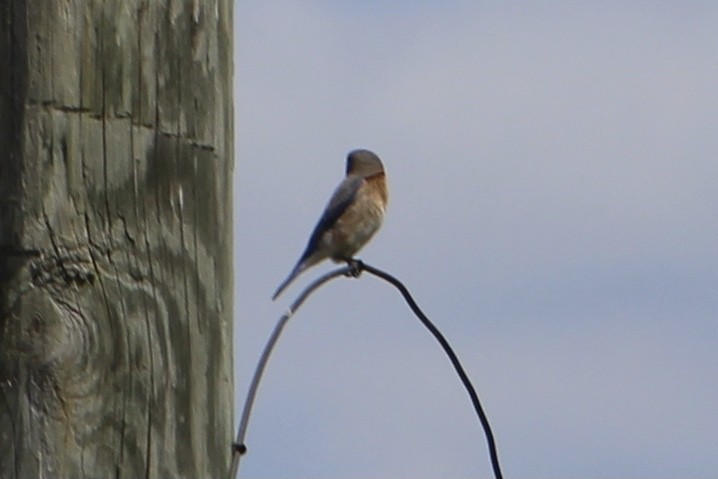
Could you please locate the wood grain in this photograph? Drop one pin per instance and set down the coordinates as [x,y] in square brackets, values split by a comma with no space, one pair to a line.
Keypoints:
[115,238]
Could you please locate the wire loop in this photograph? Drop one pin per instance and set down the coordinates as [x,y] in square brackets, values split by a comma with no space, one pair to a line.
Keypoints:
[354,269]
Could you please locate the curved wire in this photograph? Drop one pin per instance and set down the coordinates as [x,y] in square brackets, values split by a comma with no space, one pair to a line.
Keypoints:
[493,452]
[354,268]
[238,447]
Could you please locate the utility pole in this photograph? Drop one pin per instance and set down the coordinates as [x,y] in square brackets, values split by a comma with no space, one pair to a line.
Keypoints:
[116,295]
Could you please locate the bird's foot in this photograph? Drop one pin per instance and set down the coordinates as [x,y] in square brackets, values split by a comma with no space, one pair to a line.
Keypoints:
[356,266]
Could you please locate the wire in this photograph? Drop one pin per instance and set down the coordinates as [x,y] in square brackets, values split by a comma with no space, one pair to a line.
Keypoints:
[354,269]
[493,452]
[238,447]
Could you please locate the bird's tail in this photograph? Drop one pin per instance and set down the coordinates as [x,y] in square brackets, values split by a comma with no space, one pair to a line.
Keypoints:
[292,276]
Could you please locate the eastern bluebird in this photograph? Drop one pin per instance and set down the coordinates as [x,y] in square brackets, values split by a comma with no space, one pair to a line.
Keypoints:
[354,213]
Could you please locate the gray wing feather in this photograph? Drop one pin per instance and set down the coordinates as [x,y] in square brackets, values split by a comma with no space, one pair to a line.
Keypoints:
[338,204]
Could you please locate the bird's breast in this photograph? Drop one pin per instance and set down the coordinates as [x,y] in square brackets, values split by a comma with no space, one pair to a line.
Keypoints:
[360,220]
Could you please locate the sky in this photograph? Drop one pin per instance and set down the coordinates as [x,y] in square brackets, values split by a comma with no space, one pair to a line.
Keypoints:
[553,170]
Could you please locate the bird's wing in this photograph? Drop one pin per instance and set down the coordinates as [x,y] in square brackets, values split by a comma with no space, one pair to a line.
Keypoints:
[338,204]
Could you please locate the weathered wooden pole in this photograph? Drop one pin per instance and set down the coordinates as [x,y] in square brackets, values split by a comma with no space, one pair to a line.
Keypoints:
[115,238]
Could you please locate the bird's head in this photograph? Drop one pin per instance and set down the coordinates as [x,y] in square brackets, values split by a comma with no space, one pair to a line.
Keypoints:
[363,163]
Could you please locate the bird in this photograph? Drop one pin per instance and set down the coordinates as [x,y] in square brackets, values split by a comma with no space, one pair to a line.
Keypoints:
[353,214]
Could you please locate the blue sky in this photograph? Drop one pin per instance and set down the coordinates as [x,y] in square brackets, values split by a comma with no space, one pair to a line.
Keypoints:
[553,171]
